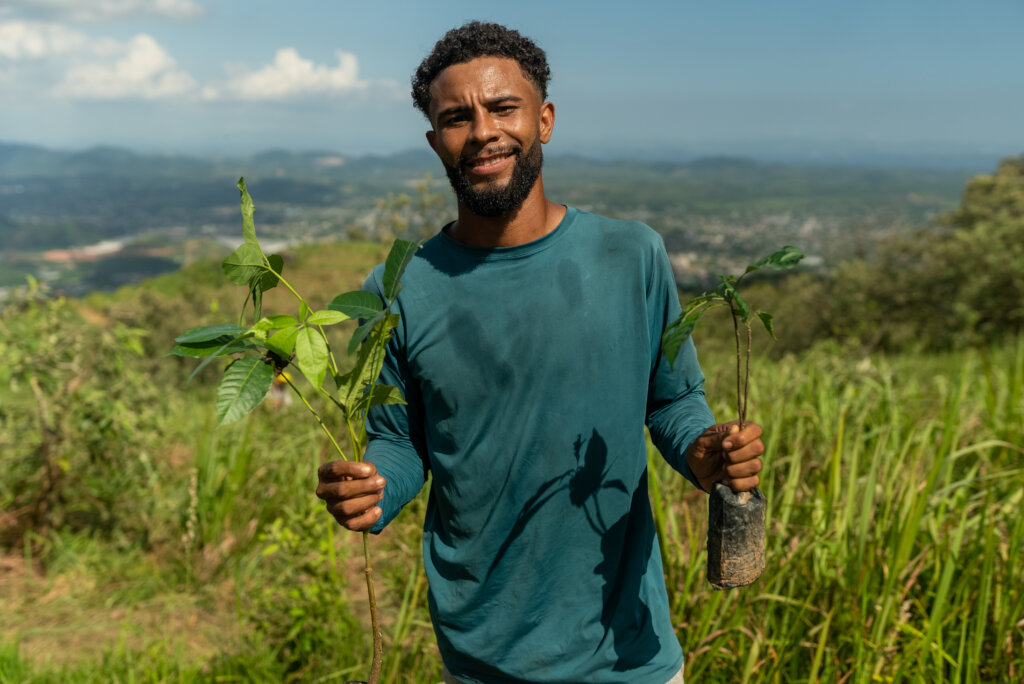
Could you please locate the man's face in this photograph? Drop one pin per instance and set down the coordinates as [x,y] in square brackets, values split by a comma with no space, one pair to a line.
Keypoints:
[488,126]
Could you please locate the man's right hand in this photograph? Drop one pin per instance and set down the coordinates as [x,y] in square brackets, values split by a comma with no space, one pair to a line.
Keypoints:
[351,491]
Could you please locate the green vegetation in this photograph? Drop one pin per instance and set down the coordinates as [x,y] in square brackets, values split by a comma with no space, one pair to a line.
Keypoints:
[140,542]
[261,353]
[954,288]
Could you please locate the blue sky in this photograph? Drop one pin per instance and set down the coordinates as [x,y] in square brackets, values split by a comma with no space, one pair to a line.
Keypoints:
[662,78]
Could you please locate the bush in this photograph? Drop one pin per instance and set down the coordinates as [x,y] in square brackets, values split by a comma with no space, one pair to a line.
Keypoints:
[74,423]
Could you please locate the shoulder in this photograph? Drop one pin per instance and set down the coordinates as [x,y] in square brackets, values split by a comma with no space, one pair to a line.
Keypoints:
[624,241]
[625,232]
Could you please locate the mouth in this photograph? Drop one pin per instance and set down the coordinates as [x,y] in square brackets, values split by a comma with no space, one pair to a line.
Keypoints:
[487,164]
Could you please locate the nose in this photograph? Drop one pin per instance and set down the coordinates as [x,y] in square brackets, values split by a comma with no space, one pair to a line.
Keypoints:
[484,128]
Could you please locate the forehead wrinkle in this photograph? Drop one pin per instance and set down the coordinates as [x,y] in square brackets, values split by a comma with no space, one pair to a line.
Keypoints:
[490,102]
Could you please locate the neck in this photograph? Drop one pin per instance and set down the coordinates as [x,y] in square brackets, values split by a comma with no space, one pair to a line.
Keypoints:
[535,218]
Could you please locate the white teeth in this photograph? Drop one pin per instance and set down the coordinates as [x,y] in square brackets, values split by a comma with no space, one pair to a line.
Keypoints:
[489,162]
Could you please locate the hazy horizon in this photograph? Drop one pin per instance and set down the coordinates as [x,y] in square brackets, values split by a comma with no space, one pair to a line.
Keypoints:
[812,152]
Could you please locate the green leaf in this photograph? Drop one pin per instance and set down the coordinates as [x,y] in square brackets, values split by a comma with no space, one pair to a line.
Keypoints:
[248,226]
[218,352]
[357,304]
[244,265]
[282,342]
[705,298]
[362,331]
[208,333]
[673,339]
[327,317]
[766,320]
[355,384]
[386,394]
[787,257]
[303,311]
[402,252]
[738,307]
[268,279]
[676,332]
[245,383]
[275,322]
[215,347]
[256,292]
[311,355]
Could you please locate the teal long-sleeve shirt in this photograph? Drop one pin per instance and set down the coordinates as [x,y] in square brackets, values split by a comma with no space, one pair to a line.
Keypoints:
[529,373]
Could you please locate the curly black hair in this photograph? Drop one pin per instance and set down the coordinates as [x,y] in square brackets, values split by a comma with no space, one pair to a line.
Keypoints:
[479,39]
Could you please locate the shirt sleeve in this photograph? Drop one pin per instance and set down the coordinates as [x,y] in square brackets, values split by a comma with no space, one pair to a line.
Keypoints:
[677,412]
[396,442]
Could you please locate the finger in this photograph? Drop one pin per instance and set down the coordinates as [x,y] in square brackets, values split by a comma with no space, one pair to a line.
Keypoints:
[741,454]
[362,522]
[333,471]
[745,484]
[711,438]
[350,508]
[744,470]
[738,438]
[349,489]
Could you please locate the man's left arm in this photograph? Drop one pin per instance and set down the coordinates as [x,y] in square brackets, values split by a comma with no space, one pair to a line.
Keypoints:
[682,425]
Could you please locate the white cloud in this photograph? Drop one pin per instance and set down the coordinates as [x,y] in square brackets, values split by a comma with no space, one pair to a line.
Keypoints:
[290,76]
[106,10]
[38,40]
[144,70]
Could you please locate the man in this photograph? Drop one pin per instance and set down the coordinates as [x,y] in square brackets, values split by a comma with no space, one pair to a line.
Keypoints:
[529,355]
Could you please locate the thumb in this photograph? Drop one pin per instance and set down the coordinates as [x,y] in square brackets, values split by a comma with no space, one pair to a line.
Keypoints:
[733,429]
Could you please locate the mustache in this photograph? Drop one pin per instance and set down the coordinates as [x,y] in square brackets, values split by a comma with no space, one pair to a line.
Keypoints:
[472,158]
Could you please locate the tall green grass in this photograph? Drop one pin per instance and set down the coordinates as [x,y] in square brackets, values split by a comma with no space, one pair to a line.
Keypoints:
[894,538]
[894,533]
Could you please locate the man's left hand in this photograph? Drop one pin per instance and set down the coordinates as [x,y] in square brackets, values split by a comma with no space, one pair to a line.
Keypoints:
[725,453]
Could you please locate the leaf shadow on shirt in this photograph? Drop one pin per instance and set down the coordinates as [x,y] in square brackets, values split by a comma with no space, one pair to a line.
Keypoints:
[623,614]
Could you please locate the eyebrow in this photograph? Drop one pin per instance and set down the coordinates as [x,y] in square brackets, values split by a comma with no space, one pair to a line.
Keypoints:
[458,109]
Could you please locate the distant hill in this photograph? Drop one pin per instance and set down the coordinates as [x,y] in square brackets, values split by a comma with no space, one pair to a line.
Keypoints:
[712,211]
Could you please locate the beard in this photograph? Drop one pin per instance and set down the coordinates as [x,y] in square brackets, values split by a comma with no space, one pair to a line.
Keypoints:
[504,200]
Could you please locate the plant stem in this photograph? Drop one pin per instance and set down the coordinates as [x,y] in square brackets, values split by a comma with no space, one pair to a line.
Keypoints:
[287,285]
[378,639]
[319,420]
[739,366]
[746,379]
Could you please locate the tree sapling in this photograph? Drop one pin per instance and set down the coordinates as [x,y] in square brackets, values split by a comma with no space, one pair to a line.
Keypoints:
[736,539]
[269,343]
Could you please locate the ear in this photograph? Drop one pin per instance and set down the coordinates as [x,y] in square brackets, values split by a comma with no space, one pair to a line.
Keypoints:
[547,121]
[432,140]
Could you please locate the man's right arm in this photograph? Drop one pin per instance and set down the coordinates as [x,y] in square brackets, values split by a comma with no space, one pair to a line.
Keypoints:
[368,495]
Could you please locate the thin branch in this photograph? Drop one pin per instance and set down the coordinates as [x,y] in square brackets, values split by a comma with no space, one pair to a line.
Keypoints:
[739,366]
[316,415]
[746,380]
[378,638]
